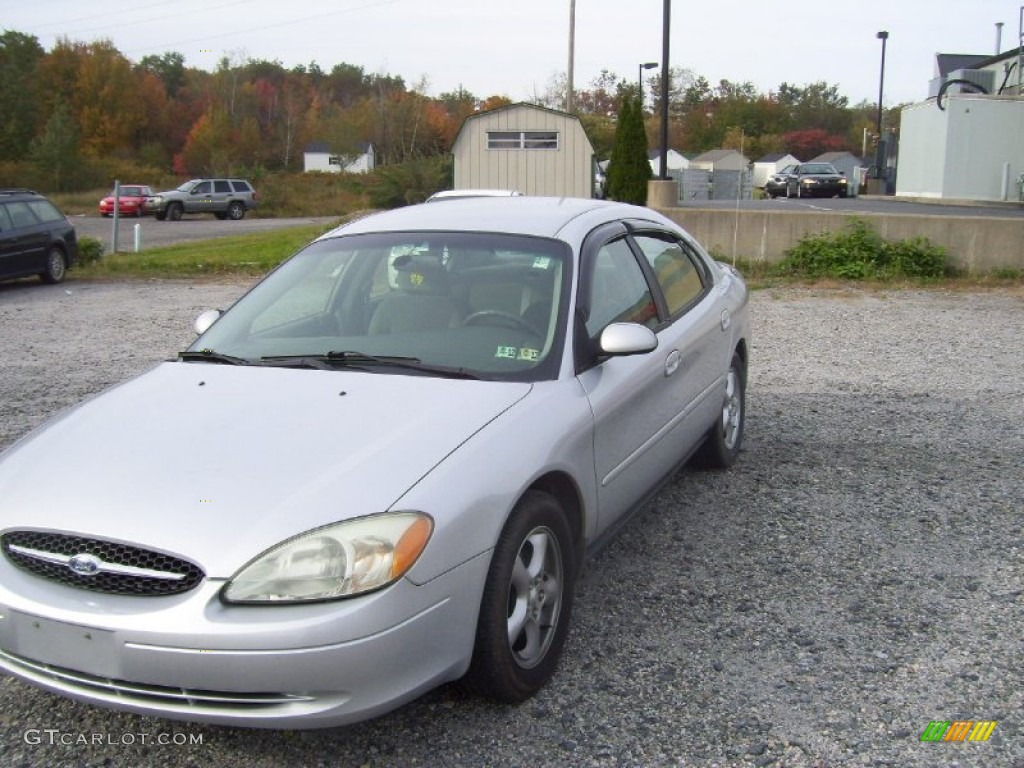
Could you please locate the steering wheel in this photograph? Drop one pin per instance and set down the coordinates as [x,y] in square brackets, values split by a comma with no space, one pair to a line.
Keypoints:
[500,319]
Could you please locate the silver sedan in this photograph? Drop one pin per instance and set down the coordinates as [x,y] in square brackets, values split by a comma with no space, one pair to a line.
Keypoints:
[380,470]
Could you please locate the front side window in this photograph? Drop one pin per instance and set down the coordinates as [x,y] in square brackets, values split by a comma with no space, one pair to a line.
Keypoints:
[202,188]
[618,291]
[674,269]
[489,305]
[522,139]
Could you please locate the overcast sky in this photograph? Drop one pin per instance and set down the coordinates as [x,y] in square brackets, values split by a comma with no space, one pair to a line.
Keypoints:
[515,47]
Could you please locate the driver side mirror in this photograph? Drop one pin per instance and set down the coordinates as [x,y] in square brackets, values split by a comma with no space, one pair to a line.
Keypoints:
[621,339]
[205,319]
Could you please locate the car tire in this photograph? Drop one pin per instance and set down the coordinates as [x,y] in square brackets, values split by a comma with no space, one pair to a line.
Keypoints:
[236,211]
[174,211]
[526,604]
[56,266]
[721,446]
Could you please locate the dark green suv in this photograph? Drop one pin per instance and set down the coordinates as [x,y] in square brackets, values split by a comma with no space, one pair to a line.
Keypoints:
[35,238]
[224,198]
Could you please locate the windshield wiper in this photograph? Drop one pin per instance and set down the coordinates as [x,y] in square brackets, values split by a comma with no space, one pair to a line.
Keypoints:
[363,361]
[210,356]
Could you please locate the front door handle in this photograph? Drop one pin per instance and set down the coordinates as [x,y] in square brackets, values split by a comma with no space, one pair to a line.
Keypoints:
[672,362]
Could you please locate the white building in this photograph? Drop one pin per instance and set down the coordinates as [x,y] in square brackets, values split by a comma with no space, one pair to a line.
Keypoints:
[318,157]
[972,149]
[769,165]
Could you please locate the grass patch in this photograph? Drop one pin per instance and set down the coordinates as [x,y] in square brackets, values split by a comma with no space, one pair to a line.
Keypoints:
[243,255]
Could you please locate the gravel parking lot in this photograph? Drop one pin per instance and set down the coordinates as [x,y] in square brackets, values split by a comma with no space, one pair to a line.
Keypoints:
[857,575]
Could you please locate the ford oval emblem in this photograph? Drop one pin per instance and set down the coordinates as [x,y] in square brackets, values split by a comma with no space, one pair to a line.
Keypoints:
[85,564]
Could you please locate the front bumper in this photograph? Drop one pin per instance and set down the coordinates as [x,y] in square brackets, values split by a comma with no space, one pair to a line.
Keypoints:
[190,657]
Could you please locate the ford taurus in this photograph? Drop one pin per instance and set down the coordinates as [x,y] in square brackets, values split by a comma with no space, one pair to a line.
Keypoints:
[380,470]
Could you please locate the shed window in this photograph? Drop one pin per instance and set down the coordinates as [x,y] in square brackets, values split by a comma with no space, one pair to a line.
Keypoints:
[522,139]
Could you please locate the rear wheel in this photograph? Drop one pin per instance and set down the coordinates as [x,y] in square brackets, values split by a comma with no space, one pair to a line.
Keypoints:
[722,444]
[527,602]
[236,211]
[56,267]
[174,211]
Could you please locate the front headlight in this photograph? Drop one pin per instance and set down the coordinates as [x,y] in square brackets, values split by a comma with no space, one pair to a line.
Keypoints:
[808,182]
[156,200]
[336,561]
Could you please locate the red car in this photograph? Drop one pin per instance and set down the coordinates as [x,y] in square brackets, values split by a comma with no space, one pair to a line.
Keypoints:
[132,196]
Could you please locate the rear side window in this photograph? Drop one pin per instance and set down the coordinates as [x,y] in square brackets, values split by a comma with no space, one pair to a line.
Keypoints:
[21,216]
[675,270]
[221,186]
[45,211]
[241,186]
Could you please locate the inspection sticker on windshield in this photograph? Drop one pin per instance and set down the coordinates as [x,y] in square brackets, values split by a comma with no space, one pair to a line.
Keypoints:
[517,353]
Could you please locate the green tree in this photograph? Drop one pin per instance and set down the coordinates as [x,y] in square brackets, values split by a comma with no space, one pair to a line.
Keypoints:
[19,61]
[170,68]
[629,169]
[55,152]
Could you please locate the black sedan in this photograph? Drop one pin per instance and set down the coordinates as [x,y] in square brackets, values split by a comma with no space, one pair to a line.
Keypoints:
[777,182]
[816,180]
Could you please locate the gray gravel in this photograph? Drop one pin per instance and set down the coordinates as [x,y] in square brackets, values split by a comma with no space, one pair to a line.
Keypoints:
[857,575]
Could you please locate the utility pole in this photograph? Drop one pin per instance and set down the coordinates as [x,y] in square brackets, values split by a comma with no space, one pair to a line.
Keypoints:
[572,55]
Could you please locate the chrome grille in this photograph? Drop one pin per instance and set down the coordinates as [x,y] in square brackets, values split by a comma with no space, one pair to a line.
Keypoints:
[99,565]
[168,696]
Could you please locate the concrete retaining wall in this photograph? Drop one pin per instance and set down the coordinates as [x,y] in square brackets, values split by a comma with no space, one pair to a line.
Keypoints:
[977,244]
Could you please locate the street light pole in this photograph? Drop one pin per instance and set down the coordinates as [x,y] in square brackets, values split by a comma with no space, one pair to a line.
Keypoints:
[883,36]
[881,150]
[640,79]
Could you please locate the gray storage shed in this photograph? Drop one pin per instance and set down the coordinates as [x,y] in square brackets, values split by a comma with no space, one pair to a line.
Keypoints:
[534,150]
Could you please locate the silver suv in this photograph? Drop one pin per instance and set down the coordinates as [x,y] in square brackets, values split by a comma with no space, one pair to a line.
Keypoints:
[224,198]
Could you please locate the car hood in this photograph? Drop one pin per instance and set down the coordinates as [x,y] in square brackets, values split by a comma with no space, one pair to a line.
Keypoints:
[217,463]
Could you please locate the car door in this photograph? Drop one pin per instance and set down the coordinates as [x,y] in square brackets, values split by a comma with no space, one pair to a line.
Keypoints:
[25,240]
[200,198]
[221,195]
[641,404]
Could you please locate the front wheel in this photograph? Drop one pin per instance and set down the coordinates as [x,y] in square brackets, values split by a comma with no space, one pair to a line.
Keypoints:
[174,211]
[722,444]
[527,602]
[56,267]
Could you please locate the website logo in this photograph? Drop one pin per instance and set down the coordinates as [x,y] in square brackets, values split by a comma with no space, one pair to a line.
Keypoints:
[958,730]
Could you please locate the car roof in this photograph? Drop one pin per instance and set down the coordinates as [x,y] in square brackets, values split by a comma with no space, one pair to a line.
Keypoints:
[538,216]
[458,194]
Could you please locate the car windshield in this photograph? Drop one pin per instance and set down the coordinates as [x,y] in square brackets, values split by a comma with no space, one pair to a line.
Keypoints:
[187,186]
[488,305]
[817,168]
[131,192]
